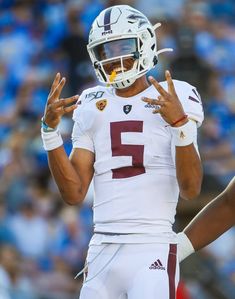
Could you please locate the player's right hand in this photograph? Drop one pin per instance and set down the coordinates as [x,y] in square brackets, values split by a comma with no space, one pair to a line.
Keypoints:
[56,107]
[168,103]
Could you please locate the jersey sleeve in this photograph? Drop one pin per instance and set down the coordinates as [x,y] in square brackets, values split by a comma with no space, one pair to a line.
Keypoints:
[81,139]
[81,104]
[192,104]
[191,101]
[80,135]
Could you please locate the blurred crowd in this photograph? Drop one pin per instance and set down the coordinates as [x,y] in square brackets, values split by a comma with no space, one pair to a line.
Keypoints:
[43,242]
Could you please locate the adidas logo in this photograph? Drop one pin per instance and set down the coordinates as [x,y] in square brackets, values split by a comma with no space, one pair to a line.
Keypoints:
[157,265]
[150,106]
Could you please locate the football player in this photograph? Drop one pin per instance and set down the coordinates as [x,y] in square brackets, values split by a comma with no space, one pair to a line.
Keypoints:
[137,139]
[217,217]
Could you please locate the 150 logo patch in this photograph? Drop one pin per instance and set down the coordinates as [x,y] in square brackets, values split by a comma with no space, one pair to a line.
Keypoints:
[94,95]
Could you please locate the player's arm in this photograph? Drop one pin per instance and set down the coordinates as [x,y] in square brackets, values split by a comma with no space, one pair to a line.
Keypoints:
[211,222]
[214,219]
[188,167]
[72,175]
[184,131]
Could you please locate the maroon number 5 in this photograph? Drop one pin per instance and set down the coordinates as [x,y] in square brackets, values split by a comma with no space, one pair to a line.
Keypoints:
[119,149]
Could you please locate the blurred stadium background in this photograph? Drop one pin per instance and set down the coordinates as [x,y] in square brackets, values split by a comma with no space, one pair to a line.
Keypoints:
[43,242]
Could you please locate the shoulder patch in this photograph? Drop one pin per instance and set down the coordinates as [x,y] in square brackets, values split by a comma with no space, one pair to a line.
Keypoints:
[100,105]
[94,95]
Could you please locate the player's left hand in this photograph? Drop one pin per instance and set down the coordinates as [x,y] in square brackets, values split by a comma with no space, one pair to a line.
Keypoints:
[167,103]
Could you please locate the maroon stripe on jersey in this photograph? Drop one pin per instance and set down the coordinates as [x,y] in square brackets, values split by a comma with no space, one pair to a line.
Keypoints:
[196,94]
[107,19]
[193,99]
[171,267]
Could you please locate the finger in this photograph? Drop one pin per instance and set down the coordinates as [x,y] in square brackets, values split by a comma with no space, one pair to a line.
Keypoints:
[161,103]
[159,88]
[157,110]
[150,101]
[154,102]
[65,102]
[170,84]
[55,83]
[70,108]
[57,91]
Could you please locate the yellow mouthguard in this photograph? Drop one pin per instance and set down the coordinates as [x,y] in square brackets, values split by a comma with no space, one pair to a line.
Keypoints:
[112,77]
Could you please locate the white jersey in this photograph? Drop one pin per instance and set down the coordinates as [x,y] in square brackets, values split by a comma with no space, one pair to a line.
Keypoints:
[136,190]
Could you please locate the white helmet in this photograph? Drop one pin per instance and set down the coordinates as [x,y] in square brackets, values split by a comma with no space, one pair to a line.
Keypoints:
[122,45]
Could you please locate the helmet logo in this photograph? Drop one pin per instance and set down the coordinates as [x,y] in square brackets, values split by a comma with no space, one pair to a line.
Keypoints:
[137,18]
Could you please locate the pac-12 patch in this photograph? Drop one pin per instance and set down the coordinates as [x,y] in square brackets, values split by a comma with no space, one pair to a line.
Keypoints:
[101,104]
[127,108]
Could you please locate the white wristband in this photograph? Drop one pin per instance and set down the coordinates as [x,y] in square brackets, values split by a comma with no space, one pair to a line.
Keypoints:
[185,247]
[51,140]
[184,135]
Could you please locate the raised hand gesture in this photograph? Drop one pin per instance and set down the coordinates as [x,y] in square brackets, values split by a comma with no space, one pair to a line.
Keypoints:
[168,103]
[56,107]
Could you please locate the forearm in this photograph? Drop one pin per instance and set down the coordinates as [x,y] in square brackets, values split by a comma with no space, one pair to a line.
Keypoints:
[65,176]
[187,160]
[188,171]
[216,218]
